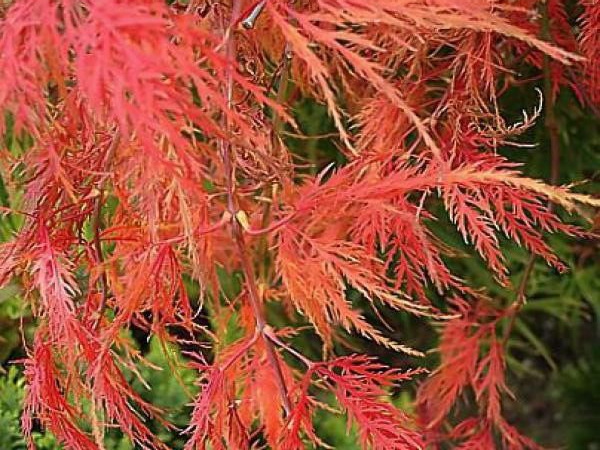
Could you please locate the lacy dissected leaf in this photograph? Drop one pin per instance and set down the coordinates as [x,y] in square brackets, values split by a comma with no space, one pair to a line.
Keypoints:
[163,187]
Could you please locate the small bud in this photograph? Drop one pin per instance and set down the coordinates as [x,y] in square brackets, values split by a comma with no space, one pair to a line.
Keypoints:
[242,218]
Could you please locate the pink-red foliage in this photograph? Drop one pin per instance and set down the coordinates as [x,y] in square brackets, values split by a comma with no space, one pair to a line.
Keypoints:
[160,154]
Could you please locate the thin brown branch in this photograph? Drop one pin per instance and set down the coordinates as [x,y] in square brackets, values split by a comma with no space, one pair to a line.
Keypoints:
[520,299]
[273,337]
[238,233]
[551,125]
[97,227]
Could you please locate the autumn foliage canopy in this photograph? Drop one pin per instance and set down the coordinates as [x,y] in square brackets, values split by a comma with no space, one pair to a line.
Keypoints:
[156,165]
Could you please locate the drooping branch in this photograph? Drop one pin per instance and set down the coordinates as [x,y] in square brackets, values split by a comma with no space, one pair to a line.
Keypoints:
[237,231]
